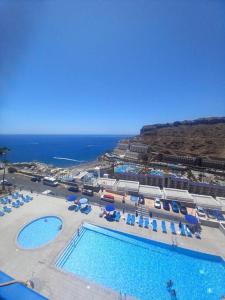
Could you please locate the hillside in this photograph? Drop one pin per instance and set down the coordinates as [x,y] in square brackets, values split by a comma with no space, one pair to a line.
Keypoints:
[201,137]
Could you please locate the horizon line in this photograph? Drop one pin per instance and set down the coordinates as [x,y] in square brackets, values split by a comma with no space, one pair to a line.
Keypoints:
[125,134]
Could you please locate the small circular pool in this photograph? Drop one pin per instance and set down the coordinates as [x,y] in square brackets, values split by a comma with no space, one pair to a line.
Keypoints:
[39,232]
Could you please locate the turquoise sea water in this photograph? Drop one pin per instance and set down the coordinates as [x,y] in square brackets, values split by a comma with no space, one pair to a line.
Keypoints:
[39,232]
[59,150]
[141,268]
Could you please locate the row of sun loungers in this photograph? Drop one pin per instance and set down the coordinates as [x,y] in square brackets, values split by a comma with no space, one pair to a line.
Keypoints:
[144,222]
[6,201]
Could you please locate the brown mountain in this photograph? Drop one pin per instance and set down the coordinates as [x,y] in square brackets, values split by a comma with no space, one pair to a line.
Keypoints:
[201,137]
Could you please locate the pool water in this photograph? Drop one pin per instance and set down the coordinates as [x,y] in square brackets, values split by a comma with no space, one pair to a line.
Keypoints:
[141,268]
[39,232]
[126,168]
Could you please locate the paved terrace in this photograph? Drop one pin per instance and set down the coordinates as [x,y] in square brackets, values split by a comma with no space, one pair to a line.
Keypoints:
[38,264]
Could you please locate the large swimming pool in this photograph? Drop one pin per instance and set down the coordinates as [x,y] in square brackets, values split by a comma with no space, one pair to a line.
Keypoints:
[141,268]
[39,232]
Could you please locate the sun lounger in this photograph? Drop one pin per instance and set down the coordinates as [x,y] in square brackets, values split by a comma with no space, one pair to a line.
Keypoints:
[154,225]
[14,204]
[146,223]
[7,209]
[128,219]
[132,220]
[4,201]
[117,217]
[87,210]
[77,207]
[140,222]
[188,231]
[163,225]
[2,213]
[20,203]
[182,230]
[172,227]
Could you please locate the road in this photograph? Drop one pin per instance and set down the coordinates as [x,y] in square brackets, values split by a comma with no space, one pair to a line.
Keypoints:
[24,182]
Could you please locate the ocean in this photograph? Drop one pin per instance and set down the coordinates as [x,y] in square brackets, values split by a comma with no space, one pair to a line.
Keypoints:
[58,150]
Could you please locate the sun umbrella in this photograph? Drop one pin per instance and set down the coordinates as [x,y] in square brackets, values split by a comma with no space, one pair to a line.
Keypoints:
[191,219]
[109,207]
[83,200]
[71,198]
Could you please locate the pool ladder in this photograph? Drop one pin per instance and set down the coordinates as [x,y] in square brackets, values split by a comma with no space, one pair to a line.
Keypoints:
[72,244]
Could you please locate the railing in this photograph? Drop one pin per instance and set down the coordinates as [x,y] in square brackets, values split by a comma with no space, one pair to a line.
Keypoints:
[69,248]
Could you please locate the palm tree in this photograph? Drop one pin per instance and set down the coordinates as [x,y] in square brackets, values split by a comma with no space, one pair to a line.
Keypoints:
[3,154]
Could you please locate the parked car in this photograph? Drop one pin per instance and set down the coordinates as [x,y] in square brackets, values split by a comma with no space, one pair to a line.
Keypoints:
[36,179]
[200,212]
[166,205]
[87,192]
[175,206]
[110,200]
[6,182]
[108,196]
[74,188]
[183,209]
[157,203]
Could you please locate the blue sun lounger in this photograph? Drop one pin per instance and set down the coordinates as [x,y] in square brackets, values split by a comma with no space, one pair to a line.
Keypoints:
[20,203]
[86,210]
[163,225]
[154,225]
[182,230]
[140,222]
[172,227]
[132,220]
[14,204]
[188,232]
[146,223]
[2,213]
[7,209]
[117,217]
[128,219]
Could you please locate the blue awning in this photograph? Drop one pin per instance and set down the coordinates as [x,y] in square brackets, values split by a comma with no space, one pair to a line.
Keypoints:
[191,219]
[71,197]
[17,291]
[109,207]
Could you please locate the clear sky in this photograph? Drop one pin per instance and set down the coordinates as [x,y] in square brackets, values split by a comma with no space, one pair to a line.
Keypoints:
[109,66]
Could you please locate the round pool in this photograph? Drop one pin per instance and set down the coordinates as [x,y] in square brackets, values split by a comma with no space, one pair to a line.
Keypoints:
[39,232]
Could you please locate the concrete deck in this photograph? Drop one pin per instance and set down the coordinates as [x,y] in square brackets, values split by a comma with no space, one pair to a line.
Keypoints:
[38,264]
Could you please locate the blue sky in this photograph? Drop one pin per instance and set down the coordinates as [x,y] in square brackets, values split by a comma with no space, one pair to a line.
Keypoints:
[109,66]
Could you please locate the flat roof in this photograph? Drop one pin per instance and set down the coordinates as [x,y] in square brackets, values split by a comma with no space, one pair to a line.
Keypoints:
[177,194]
[221,200]
[127,184]
[152,191]
[206,201]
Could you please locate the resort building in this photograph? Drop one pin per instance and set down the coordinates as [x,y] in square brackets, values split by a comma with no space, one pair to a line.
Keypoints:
[139,148]
[131,156]
[162,180]
[123,146]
